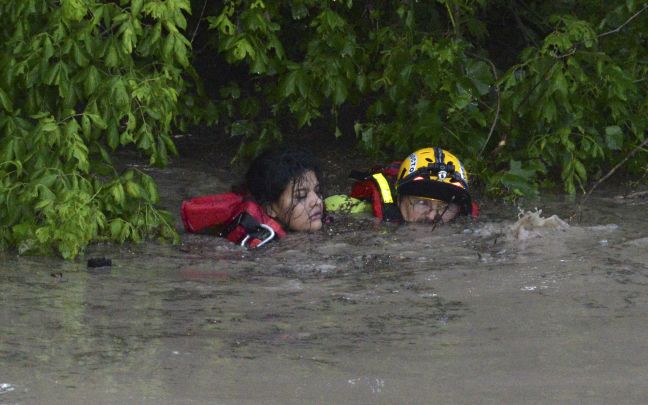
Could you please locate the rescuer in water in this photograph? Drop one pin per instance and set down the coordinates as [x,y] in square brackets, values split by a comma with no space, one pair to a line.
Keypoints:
[429,185]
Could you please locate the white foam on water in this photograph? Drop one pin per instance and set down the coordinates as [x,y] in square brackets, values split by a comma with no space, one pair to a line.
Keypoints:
[531,225]
[376,385]
[488,229]
[640,242]
[4,388]
[603,228]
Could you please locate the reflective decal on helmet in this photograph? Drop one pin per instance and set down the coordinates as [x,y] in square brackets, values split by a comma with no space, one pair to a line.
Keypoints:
[462,172]
[413,159]
[442,174]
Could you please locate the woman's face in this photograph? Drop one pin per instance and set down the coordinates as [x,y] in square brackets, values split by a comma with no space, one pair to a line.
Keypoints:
[415,209]
[300,206]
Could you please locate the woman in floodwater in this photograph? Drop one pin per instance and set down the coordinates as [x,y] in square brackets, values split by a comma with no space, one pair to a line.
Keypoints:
[281,193]
[286,183]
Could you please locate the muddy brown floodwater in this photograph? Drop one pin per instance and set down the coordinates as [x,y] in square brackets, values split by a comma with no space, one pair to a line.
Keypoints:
[513,308]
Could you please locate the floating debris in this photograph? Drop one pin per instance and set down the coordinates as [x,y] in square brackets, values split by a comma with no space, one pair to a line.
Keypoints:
[4,388]
[99,262]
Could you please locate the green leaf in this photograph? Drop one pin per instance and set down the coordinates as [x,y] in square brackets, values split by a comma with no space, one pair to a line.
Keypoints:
[73,10]
[223,24]
[560,83]
[43,233]
[181,51]
[118,193]
[133,189]
[167,49]
[361,82]
[97,120]
[580,170]
[136,7]
[340,92]
[549,112]
[151,189]
[243,48]
[480,75]
[48,48]
[112,57]
[80,153]
[53,74]
[79,56]
[105,156]
[113,136]
[49,126]
[5,101]
[289,84]
[116,229]
[614,137]
[119,94]
[518,184]
[128,38]
[48,180]
[519,180]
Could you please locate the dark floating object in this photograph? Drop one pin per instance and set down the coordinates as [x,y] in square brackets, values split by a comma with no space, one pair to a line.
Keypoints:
[99,262]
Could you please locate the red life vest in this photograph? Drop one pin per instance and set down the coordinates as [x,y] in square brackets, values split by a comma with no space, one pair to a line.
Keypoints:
[234,216]
[378,187]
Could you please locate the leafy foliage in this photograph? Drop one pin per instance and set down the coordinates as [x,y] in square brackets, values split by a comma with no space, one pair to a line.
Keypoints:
[577,102]
[571,104]
[77,81]
[529,94]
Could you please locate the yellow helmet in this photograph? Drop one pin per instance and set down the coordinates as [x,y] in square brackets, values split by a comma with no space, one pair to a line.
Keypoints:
[434,173]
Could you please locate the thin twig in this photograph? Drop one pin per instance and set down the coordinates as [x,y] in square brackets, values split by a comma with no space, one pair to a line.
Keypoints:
[617,29]
[539,20]
[525,31]
[574,48]
[497,109]
[614,169]
[568,53]
[202,12]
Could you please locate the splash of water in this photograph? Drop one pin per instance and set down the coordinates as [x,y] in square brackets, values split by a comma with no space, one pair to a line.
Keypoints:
[531,224]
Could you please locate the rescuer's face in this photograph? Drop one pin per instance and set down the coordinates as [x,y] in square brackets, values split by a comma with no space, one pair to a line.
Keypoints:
[416,209]
[300,206]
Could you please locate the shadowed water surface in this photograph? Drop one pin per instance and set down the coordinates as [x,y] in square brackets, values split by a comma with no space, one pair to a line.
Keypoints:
[502,310]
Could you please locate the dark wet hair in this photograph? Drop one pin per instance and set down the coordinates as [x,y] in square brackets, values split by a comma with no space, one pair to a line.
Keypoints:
[271,172]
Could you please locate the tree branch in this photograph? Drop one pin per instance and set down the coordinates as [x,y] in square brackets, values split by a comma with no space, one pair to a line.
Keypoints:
[614,169]
[202,12]
[497,109]
[525,31]
[617,29]
[574,48]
